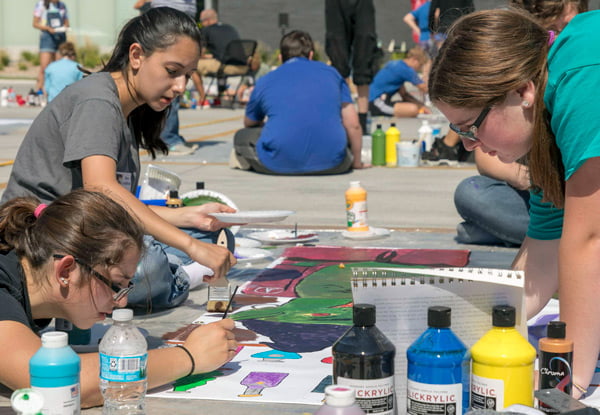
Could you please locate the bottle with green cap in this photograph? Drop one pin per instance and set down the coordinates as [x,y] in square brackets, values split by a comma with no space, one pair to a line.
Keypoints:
[378,147]
[502,364]
[438,368]
[363,358]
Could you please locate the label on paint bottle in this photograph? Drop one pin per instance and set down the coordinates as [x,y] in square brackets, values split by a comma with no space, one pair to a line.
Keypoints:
[487,393]
[60,400]
[429,399]
[374,396]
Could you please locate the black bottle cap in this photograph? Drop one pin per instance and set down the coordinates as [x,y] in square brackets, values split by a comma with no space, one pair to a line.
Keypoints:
[557,329]
[438,316]
[199,185]
[173,194]
[379,126]
[503,316]
[363,315]
[393,124]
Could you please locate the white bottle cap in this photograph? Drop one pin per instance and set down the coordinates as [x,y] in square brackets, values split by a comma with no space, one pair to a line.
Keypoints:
[355,184]
[340,396]
[122,314]
[55,339]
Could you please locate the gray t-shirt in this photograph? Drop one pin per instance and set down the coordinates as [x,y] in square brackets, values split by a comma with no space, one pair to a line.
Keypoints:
[86,119]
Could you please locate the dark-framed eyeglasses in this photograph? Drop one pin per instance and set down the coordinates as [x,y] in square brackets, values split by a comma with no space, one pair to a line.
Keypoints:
[119,292]
[471,133]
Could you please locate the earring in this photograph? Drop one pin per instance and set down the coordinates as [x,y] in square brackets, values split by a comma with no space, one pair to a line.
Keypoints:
[64,281]
[526,104]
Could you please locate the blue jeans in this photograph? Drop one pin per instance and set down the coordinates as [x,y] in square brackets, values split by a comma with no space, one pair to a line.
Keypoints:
[494,212]
[160,281]
[170,133]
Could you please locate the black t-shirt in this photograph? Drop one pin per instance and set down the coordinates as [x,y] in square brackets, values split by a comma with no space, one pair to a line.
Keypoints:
[216,37]
[450,10]
[14,299]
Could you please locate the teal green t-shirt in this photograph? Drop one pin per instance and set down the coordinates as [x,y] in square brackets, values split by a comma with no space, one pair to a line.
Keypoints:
[572,98]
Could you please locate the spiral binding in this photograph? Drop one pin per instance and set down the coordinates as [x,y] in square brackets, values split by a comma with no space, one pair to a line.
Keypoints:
[377,276]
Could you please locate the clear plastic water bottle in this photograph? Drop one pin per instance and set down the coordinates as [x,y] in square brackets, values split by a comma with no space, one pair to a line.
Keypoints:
[123,356]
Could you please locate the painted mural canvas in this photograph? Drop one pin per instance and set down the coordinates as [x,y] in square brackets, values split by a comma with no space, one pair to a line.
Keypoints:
[288,317]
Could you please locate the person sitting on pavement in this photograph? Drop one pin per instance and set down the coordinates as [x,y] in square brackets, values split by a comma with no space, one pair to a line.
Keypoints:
[390,80]
[78,142]
[73,260]
[62,72]
[216,36]
[315,132]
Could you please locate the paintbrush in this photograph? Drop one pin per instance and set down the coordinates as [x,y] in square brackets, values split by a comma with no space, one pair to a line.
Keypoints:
[230,302]
[219,291]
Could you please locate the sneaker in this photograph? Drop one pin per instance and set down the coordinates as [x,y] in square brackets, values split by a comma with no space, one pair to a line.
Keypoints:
[183,149]
[238,162]
[441,152]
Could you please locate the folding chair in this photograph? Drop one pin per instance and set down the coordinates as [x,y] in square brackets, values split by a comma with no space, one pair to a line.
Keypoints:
[236,61]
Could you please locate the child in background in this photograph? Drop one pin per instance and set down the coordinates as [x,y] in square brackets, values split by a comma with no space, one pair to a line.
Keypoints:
[62,72]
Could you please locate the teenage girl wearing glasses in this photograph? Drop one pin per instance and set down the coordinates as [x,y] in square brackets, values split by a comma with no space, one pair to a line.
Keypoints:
[74,259]
[543,95]
[495,204]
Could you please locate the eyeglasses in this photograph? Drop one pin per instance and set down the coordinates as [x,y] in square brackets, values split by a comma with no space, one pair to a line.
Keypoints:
[119,292]
[470,134]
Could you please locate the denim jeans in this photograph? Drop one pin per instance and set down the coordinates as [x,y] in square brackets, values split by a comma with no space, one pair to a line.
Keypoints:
[494,212]
[160,282]
[170,133]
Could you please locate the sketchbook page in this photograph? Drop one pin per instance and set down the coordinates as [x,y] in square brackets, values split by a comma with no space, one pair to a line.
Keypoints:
[402,297]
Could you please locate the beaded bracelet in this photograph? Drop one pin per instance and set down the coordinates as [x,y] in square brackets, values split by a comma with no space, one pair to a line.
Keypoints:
[191,359]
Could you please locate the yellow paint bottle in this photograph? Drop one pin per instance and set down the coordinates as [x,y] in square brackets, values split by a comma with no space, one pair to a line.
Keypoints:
[502,366]
[392,136]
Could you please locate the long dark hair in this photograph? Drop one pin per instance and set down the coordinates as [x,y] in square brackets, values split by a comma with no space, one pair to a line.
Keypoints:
[156,29]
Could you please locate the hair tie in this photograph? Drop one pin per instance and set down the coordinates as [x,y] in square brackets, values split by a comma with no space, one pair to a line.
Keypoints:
[39,209]
[551,37]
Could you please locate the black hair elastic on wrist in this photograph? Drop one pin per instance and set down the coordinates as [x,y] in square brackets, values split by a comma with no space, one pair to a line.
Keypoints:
[191,359]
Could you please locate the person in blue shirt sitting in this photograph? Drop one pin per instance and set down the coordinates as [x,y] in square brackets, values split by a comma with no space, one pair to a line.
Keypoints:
[312,125]
[390,80]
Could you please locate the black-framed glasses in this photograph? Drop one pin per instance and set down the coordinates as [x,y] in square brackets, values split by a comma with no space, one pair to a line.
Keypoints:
[471,132]
[119,292]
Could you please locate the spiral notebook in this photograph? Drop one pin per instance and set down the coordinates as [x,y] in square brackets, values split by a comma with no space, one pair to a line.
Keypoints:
[402,296]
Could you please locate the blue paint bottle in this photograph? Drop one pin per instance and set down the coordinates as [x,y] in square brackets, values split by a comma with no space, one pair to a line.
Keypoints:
[54,372]
[438,369]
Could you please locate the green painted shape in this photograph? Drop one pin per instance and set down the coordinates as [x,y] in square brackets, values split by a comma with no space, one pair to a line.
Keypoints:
[303,311]
[190,382]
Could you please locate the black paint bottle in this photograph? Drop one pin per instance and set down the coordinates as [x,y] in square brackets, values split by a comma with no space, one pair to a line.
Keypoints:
[363,358]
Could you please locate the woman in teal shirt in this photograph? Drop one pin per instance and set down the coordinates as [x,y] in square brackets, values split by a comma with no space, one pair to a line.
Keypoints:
[516,91]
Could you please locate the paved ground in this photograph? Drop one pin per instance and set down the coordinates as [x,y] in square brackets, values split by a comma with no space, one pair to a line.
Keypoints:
[415,203]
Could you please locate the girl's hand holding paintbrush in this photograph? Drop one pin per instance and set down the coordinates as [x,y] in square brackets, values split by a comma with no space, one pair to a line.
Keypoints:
[211,345]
